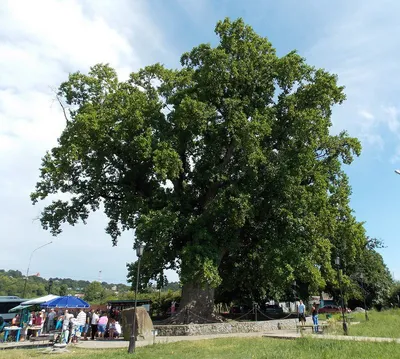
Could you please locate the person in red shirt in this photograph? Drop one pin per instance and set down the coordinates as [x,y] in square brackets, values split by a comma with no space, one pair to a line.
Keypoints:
[38,319]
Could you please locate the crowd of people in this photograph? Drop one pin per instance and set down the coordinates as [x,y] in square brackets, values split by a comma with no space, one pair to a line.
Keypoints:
[92,324]
[73,324]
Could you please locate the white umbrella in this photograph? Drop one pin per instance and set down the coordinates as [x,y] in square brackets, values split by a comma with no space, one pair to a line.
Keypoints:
[40,300]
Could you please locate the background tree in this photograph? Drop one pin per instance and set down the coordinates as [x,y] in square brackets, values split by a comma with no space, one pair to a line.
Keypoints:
[223,166]
[94,292]
[12,283]
[394,298]
[63,290]
[370,277]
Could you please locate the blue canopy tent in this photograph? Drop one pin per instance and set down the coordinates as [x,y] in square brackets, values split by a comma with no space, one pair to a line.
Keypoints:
[66,302]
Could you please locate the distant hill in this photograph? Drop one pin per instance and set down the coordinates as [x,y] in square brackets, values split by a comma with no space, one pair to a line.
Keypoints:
[12,283]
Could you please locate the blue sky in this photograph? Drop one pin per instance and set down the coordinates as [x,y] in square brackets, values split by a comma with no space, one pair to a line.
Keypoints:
[41,42]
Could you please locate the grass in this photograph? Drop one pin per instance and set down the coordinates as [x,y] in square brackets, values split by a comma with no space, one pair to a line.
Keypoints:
[235,348]
[381,324]
[384,324]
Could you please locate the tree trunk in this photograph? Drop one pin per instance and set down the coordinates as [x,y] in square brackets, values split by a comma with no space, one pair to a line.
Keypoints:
[196,306]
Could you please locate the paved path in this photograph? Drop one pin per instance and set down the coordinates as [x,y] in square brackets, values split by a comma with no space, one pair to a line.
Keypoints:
[102,344]
[277,334]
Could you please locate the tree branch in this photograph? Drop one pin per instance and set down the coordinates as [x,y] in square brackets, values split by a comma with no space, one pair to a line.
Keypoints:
[212,190]
[63,108]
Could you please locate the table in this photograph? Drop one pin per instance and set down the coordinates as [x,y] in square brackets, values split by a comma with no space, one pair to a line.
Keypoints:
[35,329]
[9,329]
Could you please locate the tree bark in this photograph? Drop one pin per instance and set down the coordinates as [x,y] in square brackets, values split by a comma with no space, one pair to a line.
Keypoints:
[196,306]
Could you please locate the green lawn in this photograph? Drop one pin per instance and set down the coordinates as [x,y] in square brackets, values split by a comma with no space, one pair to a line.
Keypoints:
[381,324]
[235,348]
[384,324]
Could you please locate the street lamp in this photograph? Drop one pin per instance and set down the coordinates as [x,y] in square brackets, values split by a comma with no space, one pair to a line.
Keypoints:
[132,341]
[30,259]
[337,262]
[364,295]
[294,286]
[50,285]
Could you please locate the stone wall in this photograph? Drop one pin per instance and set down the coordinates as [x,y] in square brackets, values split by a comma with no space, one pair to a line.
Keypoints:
[225,328]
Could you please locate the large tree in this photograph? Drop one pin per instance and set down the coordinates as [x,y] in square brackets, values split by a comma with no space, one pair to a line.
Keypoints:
[221,167]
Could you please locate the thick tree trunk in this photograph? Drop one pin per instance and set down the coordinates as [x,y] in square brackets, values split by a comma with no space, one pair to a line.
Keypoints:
[196,306]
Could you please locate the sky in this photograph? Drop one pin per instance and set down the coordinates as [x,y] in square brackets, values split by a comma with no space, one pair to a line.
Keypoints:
[42,42]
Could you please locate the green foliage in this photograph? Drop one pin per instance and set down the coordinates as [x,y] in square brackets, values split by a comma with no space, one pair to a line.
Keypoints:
[394,296]
[63,290]
[12,283]
[367,276]
[225,168]
[161,303]
[94,292]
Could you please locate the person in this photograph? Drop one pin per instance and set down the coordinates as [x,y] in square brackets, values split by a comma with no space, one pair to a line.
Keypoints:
[31,320]
[301,310]
[118,329]
[67,317]
[50,321]
[102,323]
[114,329]
[173,307]
[314,313]
[39,319]
[59,322]
[66,326]
[93,323]
[73,330]
[42,318]
[81,319]
[111,328]
[15,321]
[87,328]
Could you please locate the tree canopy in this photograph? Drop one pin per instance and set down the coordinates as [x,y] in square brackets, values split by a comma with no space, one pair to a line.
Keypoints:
[225,168]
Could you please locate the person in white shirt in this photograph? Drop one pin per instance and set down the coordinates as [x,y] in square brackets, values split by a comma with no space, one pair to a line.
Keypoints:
[118,329]
[65,328]
[81,319]
[114,329]
[95,319]
[66,318]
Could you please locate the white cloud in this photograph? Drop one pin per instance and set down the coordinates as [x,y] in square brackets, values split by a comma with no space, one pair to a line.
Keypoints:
[396,156]
[40,43]
[367,115]
[392,119]
[357,44]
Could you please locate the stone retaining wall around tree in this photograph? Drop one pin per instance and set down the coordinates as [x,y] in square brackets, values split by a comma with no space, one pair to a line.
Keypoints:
[225,328]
